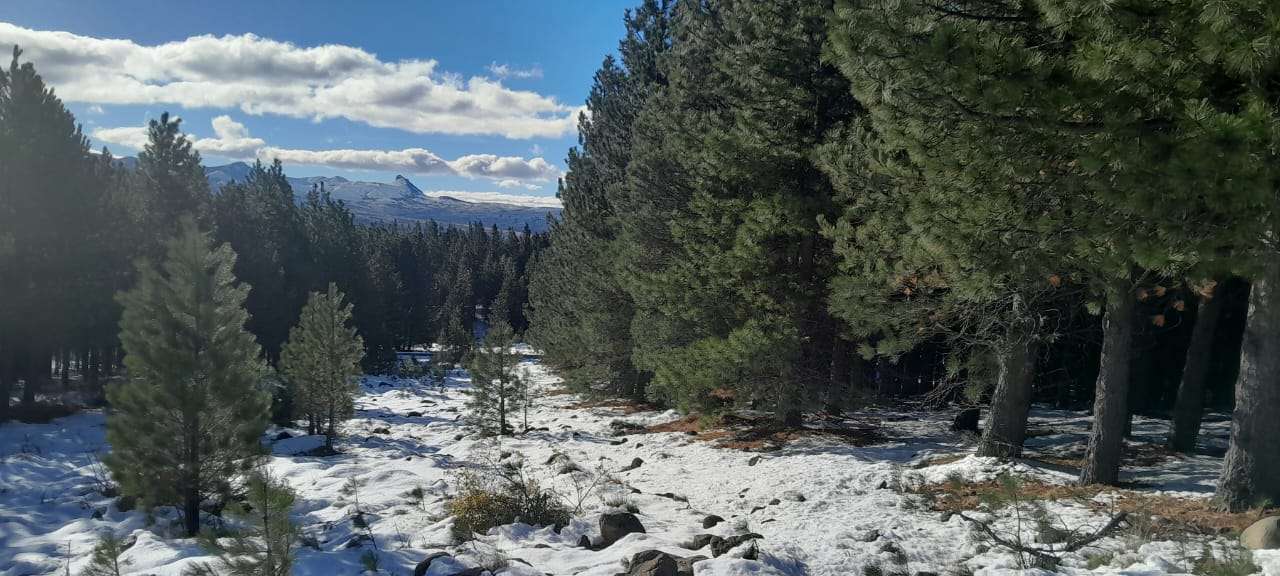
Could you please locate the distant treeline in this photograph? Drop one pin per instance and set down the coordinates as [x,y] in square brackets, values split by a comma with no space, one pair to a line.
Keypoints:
[72,223]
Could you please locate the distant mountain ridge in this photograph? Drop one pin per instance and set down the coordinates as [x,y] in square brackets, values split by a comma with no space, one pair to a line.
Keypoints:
[399,201]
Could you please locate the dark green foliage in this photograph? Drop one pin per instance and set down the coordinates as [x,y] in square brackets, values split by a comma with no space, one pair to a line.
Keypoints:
[580,313]
[497,387]
[105,558]
[171,180]
[322,361]
[264,544]
[261,222]
[59,264]
[738,298]
[190,414]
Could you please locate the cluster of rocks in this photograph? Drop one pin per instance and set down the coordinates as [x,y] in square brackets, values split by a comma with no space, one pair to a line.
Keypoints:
[616,525]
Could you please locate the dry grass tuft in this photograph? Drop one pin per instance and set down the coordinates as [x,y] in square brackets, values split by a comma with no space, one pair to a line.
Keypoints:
[622,405]
[760,433]
[1160,513]
[690,423]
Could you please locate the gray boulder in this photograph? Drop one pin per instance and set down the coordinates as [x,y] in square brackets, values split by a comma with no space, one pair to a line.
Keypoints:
[659,563]
[616,525]
[654,563]
[1262,535]
[425,565]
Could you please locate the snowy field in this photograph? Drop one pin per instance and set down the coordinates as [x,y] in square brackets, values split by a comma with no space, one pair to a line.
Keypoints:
[822,505]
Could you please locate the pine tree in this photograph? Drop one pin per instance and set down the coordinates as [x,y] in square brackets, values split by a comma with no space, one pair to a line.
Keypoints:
[456,315]
[737,300]
[52,211]
[580,313]
[497,388]
[105,558]
[172,178]
[266,545]
[191,413]
[260,220]
[1188,102]
[1189,406]
[322,360]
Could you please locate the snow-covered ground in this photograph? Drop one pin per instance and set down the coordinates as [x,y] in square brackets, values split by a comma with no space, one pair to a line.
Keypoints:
[823,506]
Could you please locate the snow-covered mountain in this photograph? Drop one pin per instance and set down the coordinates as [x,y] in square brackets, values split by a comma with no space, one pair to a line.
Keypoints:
[400,201]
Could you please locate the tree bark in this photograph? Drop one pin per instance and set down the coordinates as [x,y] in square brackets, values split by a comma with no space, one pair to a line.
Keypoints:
[1110,404]
[332,429]
[89,366]
[841,378]
[36,369]
[1251,469]
[191,492]
[1011,402]
[64,367]
[6,382]
[108,362]
[1189,406]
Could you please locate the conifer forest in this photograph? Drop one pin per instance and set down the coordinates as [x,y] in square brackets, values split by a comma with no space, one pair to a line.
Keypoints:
[827,287]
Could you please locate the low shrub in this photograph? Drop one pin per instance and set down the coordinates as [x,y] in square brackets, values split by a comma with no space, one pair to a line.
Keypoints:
[502,495]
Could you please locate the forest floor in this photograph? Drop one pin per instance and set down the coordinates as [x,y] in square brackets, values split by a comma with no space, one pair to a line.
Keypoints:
[880,488]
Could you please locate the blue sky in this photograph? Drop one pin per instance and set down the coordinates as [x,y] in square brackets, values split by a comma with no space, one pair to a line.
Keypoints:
[471,96]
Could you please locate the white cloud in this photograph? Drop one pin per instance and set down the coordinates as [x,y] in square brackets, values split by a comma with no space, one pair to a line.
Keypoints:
[504,167]
[420,161]
[132,137]
[232,140]
[513,183]
[509,71]
[518,199]
[410,160]
[95,109]
[263,76]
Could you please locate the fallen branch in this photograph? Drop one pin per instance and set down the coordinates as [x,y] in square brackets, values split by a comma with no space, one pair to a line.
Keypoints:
[1050,553]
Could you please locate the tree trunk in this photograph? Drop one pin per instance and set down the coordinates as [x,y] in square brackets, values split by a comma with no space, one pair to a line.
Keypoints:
[1110,404]
[191,492]
[1011,402]
[93,357]
[64,366]
[191,510]
[1189,406]
[502,410]
[841,377]
[34,373]
[1251,469]
[6,382]
[332,429]
[108,362]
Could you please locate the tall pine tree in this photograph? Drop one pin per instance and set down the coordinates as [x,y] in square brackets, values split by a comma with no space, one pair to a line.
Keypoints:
[192,410]
[580,313]
[52,208]
[738,298]
[321,361]
[172,180]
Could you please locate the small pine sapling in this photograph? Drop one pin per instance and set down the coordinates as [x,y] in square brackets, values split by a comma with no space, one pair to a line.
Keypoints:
[496,382]
[322,361]
[266,546]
